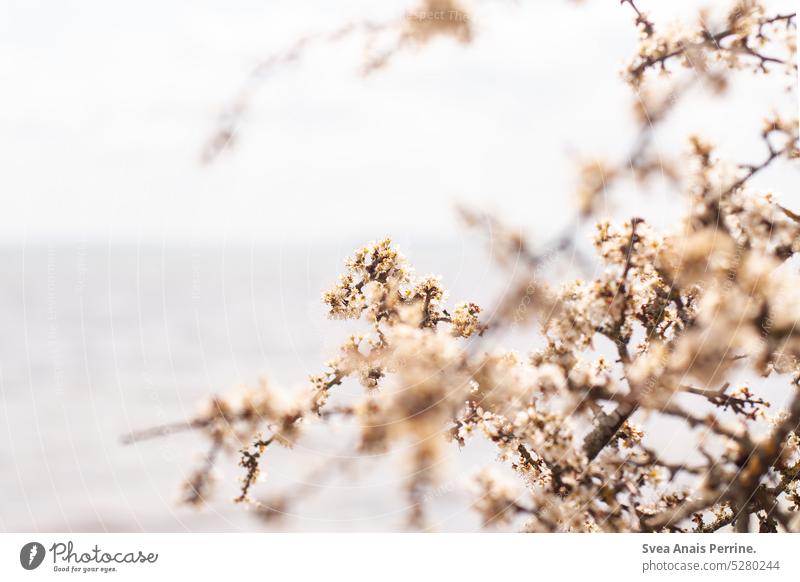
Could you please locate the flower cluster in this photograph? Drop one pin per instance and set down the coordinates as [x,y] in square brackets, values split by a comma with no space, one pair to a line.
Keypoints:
[741,41]
[683,311]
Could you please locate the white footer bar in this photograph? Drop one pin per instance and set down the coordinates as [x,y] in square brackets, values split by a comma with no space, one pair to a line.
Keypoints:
[389,557]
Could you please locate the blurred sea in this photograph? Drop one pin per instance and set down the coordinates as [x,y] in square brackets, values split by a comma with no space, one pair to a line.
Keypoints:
[102,340]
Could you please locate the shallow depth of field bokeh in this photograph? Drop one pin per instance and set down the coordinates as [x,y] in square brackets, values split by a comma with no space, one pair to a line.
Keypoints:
[141,275]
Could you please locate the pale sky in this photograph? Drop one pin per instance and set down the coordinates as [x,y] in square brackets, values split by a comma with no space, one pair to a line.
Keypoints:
[106,106]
